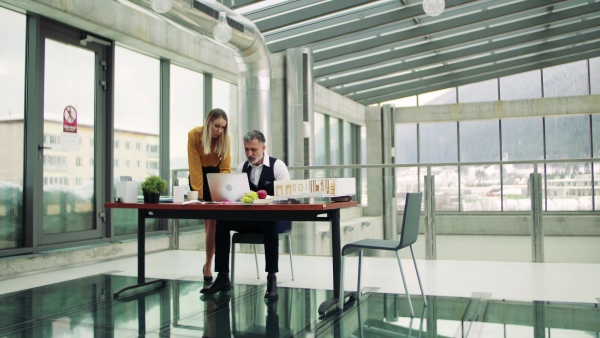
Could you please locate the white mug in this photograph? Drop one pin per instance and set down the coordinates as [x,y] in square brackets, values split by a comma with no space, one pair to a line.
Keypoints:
[192,195]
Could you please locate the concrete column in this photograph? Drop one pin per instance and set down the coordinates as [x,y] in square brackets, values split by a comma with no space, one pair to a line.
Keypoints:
[374,155]
[537,237]
[390,210]
[300,109]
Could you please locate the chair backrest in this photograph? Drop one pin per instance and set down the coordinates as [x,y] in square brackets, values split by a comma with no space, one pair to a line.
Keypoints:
[411,218]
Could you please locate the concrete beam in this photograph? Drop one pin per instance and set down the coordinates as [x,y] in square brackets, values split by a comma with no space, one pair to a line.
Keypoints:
[560,106]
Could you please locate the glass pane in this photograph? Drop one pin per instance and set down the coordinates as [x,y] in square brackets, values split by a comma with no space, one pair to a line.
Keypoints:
[515,194]
[407,180]
[567,137]
[225,97]
[596,186]
[136,147]
[334,141]
[405,143]
[480,188]
[444,96]
[347,151]
[68,121]
[521,86]
[484,91]
[569,186]
[596,135]
[479,141]
[12,84]
[446,187]
[363,160]
[410,101]
[438,142]
[320,148]
[595,75]
[566,80]
[187,112]
[522,139]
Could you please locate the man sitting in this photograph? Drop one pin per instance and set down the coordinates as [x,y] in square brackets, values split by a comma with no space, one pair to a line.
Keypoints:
[262,171]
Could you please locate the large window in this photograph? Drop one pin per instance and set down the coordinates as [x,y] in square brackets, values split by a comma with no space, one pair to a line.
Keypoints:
[137,98]
[566,80]
[521,86]
[479,141]
[334,141]
[186,111]
[320,141]
[438,143]
[493,187]
[444,96]
[225,96]
[12,84]
[485,91]
[480,184]
[568,185]
[595,75]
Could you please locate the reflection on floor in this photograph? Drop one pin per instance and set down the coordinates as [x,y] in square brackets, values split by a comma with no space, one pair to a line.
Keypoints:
[85,307]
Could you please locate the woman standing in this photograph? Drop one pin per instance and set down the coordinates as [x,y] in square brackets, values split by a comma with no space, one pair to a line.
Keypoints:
[208,152]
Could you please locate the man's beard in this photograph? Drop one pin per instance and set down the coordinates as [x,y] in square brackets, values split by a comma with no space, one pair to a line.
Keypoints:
[255,161]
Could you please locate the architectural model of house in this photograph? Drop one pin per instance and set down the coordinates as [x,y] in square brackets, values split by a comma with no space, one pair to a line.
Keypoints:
[316,187]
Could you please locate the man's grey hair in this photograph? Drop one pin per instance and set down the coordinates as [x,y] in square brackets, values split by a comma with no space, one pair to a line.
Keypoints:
[255,135]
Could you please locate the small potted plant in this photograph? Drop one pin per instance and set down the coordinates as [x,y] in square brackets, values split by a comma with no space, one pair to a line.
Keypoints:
[152,187]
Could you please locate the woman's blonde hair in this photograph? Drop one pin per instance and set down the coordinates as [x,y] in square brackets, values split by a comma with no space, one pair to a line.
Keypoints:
[222,146]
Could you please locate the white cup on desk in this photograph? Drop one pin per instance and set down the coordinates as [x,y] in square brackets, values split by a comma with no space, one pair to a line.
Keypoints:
[192,195]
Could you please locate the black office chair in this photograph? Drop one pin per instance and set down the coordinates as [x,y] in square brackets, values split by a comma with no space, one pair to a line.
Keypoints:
[256,238]
[408,236]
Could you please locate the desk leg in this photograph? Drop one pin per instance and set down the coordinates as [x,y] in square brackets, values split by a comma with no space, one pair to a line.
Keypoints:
[336,256]
[141,262]
[141,265]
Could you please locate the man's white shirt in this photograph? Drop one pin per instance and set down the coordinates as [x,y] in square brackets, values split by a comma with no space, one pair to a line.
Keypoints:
[280,170]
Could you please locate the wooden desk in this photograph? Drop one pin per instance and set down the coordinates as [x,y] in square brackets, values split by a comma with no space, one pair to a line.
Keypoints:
[328,212]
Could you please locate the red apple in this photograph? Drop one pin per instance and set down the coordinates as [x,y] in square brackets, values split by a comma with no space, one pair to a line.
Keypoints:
[262,194]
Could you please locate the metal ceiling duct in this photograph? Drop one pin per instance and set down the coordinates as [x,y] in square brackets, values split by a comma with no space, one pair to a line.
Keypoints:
[248,46]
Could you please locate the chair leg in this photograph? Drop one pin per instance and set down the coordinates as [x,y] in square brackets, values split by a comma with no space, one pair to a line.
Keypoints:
[256,260]
[289,240]
[231,273]
[418,277]
[360,257]
[341,298]
[412,313]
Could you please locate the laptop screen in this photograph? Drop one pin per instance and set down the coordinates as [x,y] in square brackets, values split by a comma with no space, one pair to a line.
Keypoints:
[227,186]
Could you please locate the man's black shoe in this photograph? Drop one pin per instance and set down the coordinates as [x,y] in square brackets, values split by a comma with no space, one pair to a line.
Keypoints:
[222,283]
[271,288]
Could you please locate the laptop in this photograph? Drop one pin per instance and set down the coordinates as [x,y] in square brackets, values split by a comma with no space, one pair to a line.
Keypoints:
[227,186]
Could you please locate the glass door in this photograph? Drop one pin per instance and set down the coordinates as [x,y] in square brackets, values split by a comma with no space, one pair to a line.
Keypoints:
[74,86]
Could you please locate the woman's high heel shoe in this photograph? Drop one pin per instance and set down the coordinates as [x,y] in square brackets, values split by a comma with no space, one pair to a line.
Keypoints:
[207,279]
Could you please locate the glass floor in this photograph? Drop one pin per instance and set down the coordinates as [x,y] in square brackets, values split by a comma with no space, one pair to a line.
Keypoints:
[85,308]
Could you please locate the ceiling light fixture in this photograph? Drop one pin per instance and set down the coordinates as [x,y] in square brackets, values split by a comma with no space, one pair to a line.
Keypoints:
[434,7]
[223,31]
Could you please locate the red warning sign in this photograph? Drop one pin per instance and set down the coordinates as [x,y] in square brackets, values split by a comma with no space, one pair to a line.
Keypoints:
[70,120]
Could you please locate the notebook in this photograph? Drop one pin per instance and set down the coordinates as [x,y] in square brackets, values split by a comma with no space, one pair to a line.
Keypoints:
[227,187]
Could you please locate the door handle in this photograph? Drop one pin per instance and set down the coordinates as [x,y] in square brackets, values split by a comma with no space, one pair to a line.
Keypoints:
[40,148]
